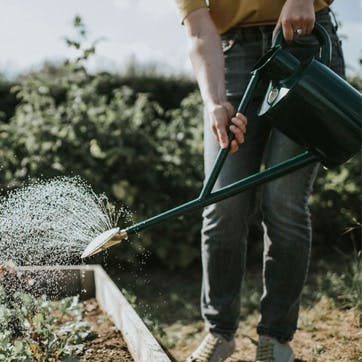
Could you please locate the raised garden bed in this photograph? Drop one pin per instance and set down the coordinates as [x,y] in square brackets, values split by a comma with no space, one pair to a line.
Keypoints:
[108,343]
[91,281]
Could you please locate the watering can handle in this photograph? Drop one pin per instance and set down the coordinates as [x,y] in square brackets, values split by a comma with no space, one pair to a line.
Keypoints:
[323,38]
[223,152]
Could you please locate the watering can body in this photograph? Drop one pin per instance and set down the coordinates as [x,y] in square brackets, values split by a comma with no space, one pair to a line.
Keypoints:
[312,105]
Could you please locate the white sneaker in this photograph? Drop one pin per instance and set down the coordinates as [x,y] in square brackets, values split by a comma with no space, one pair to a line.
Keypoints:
[270,350]
[213,348]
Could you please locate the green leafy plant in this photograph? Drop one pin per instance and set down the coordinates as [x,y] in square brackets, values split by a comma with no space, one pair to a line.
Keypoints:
[36,329]
[336,207]
[345,287]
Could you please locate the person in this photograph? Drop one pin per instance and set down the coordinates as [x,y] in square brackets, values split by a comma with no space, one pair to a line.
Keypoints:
[226,39]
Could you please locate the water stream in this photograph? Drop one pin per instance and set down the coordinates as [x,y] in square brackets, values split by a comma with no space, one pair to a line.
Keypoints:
[51,222]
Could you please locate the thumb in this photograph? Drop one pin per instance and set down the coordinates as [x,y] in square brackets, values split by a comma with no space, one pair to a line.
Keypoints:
[222,136]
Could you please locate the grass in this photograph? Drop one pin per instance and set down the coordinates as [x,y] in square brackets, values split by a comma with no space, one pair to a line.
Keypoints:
[342,283]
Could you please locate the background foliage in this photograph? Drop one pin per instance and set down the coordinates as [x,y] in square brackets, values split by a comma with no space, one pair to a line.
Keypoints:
[138,138]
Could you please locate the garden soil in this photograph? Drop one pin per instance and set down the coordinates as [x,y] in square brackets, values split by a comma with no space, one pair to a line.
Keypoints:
[108,345]
[328,329]
[325,334]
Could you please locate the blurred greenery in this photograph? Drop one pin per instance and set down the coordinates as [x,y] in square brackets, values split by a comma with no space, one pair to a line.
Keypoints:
[137,137]
[8,100]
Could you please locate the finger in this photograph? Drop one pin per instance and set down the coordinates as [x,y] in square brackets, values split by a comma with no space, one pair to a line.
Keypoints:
[309,27]
[276,29]
[310,24]
[234,146]
[239,123]
[298,31]
[242,117]
[222,136]
[214,131]
[238,134]
[288,32]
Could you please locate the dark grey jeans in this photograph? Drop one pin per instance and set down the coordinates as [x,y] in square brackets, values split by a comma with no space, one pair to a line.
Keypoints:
[283,202]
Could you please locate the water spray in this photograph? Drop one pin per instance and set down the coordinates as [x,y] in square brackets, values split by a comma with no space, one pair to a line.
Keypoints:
[51,221]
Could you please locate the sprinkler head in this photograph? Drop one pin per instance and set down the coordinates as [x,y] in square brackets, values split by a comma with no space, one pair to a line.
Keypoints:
[104,241]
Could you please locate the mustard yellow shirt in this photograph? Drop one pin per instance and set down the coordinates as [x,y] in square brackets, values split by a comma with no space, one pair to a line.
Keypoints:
[229,13]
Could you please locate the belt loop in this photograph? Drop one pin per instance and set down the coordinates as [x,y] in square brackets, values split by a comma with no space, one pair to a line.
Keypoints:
[333,16]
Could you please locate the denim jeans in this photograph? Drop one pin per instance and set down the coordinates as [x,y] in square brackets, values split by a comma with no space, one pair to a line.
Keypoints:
[282,203]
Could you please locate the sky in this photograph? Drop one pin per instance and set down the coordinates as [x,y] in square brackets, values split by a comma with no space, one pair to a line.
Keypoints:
[32,31]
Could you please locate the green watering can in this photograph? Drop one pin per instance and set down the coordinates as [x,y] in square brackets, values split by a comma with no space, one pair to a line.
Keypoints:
[308,102]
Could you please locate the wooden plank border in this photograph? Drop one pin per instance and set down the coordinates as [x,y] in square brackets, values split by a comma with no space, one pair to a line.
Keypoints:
[92,281]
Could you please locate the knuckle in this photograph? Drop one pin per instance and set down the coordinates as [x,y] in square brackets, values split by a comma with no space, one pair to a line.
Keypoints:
[220,132]
[218,126]
[296,19]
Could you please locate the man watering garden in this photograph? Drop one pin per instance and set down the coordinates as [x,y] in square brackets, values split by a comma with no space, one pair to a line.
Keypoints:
[226,39]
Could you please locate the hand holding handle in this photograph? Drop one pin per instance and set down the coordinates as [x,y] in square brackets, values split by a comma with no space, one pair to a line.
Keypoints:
[323,38]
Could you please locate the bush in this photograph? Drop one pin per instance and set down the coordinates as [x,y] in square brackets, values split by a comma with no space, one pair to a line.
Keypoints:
[336,205]
[123,143]
[7,100]
[143,148]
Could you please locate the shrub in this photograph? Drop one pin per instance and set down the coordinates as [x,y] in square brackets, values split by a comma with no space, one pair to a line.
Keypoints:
[336,204]
[143,148]
[123,143]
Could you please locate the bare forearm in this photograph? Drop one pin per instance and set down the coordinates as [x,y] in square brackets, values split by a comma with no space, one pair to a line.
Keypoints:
[208,64]
[206,57]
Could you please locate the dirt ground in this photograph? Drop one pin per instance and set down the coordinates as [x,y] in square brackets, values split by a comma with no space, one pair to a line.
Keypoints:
[326,334]
[108,345]
[169,304]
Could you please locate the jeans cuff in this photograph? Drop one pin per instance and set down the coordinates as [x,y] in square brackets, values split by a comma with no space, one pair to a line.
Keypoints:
[227,334]
[282,335]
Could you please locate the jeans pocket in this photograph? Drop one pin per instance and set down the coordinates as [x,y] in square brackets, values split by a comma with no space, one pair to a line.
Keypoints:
[327,19]
[336,41]
[337,63]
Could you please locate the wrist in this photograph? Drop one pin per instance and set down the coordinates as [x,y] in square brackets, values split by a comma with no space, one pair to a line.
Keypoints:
[210,105]
[213,91]
[221,104]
